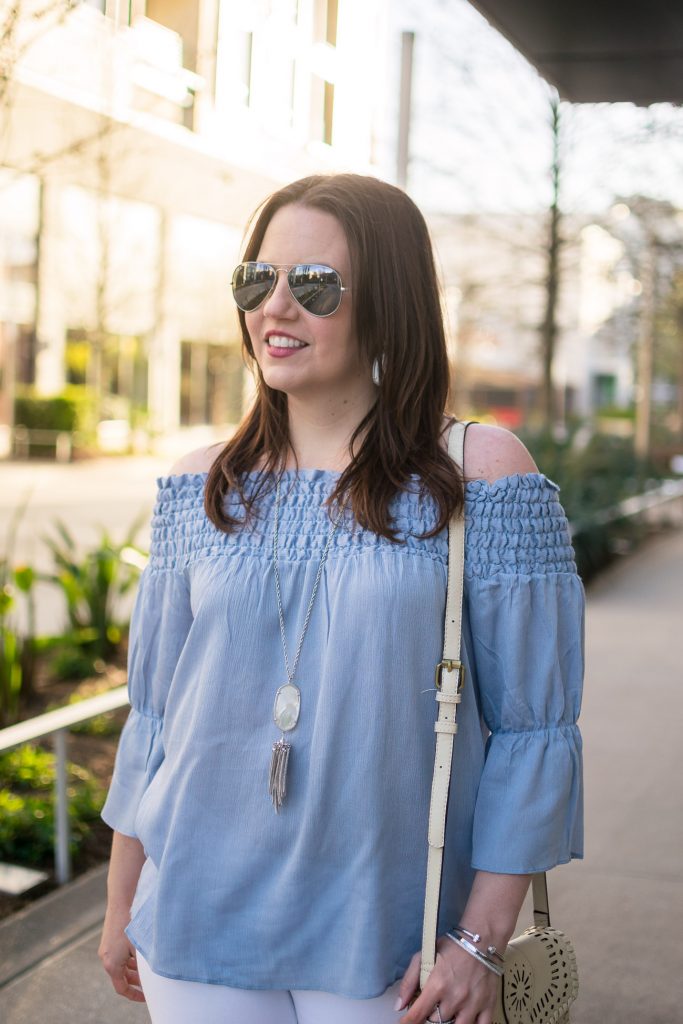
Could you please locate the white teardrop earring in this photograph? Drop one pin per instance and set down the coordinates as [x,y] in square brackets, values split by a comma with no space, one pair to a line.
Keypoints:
[377,372]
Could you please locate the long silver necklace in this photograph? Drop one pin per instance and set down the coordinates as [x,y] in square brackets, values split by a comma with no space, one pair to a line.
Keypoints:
[288,697]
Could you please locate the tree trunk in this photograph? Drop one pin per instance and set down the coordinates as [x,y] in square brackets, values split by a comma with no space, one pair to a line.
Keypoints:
[549,329]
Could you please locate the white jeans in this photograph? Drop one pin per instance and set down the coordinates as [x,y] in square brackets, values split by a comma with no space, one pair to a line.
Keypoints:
[170,1001]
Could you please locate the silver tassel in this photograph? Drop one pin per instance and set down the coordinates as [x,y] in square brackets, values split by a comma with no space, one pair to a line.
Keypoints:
[277,782]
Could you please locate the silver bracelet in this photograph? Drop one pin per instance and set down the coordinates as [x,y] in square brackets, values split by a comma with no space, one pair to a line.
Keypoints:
[475,937]
[483,959]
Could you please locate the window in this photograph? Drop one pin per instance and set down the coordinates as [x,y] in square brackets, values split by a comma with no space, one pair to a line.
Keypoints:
[124,365]
[604,390]
[211,378]
[325,17]
[182,18]
[26,348]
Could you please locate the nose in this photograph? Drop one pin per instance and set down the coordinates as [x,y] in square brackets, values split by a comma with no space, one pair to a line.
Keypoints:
[280,302]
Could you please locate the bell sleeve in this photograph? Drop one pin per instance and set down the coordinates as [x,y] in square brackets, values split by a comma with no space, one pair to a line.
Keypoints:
[160,623]
[526,608]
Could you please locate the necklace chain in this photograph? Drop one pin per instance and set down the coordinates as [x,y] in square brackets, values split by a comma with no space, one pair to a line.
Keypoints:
[290,675]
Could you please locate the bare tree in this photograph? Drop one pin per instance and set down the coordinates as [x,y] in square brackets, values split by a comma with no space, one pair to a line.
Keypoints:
[549,327]
[22,23]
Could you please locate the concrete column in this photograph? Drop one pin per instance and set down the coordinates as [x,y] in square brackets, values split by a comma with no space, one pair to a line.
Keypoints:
[164,347]
[207,45]
[50,314]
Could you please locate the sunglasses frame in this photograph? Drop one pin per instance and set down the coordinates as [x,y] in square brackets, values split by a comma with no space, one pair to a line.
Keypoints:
[277,267]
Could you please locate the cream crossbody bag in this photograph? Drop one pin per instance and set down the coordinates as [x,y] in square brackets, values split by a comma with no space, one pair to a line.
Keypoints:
[540,979]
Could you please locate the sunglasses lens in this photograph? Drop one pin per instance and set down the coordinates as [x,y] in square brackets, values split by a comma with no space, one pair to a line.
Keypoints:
[316,287]
[251,284]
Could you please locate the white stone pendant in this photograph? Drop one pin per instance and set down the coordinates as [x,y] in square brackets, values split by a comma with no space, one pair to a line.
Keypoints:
[286,707]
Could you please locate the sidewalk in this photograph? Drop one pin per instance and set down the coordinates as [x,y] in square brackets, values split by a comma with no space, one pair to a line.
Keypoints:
[622,906]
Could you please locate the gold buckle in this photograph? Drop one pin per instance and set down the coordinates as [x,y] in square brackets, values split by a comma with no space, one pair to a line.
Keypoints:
[451,665]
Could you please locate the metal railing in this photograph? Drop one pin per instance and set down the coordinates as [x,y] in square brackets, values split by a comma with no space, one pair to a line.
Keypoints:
[647,506]
[57,723]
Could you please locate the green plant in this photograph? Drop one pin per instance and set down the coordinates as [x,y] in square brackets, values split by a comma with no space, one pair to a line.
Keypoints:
[73,659]
[17,653]
[27,816]
[594,473]
[74,410]
[617,412]
[39,413]
[94,582]
[10,664]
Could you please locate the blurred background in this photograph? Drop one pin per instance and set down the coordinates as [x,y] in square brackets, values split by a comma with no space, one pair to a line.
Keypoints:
[544,144]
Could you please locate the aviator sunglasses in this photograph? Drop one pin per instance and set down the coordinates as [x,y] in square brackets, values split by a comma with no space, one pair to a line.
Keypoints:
[316,287]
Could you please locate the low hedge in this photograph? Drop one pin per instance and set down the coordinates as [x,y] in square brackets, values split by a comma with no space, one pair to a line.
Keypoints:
[71,411]
[595,475]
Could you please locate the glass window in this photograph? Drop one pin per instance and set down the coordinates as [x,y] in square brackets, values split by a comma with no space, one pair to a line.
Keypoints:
[604,390]
[325,17]
[211,382]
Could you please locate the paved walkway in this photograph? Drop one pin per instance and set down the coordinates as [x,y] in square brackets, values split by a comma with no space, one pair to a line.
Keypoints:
[623,905]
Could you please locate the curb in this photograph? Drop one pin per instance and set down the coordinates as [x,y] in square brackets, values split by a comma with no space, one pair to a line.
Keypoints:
[51,923]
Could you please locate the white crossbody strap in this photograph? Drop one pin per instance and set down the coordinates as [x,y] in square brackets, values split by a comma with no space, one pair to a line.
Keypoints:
[450,679]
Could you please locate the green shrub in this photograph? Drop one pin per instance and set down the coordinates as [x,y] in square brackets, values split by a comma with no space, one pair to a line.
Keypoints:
[74,662]
[73,410]
[27,812]
[53,413]
[594,474]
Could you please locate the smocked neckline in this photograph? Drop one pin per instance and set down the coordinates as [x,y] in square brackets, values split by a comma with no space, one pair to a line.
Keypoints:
[510,480]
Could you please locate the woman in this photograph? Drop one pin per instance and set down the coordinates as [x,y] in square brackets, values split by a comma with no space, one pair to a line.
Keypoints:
[270,796]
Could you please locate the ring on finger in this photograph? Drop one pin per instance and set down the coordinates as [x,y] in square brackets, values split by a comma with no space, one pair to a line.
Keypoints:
[451,1020]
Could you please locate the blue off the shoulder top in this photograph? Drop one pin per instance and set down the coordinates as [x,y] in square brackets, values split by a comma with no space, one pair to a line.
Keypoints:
[328,894]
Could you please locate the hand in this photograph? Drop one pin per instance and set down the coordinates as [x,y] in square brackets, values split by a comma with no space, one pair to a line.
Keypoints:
[462,987]
[118,956]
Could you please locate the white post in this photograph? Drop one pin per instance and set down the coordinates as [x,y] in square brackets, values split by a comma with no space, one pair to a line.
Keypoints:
[63,447]
[62,858]
[405,98]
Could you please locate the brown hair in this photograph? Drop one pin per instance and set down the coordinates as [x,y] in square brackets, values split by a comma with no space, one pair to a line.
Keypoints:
[397,315]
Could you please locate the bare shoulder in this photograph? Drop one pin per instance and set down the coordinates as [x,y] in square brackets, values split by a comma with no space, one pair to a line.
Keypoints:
[494,452]
[198,461]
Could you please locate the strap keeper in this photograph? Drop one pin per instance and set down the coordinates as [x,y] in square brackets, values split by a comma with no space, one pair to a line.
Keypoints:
[448,698]
[443,726]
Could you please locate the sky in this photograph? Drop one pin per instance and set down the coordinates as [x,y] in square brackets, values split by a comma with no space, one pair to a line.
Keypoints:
[480,136]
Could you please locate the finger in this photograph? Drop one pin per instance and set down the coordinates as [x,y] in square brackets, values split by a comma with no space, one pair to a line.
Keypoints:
[133,976]
[119,979]
[424,1004]
[469,1012]
[131,989]
[410,980]
[135,995]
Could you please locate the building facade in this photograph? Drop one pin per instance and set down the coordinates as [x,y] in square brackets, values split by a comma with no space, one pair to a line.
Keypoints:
[137,139]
